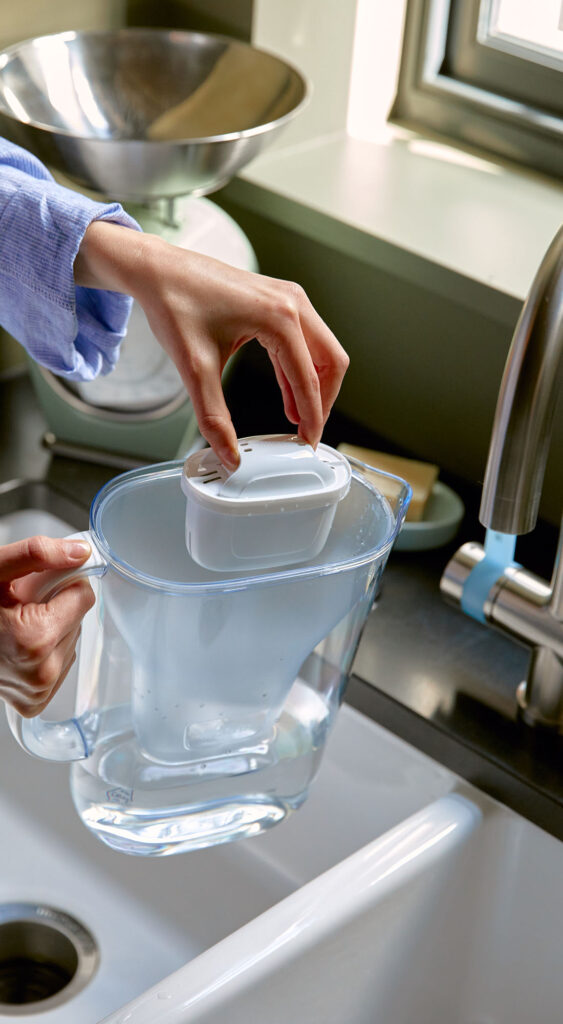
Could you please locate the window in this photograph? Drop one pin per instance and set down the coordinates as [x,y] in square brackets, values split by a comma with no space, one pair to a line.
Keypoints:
[487,73]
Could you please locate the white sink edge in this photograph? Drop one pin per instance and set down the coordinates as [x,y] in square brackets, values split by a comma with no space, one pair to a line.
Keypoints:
[302,918]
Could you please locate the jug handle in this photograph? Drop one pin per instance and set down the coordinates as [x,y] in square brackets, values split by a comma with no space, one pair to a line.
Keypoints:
[57,741]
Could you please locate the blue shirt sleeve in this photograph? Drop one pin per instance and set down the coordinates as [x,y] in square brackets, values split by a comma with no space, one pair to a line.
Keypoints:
[75,332]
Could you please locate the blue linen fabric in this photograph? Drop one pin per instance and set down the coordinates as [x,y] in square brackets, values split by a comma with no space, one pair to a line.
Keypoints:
[75,332]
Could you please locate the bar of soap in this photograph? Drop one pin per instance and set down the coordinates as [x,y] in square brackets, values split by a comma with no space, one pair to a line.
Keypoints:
[420,475]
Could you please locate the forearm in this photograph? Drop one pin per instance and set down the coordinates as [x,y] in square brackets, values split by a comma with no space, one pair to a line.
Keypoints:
[115,258]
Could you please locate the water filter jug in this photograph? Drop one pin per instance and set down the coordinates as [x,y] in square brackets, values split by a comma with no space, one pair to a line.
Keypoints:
[204,698]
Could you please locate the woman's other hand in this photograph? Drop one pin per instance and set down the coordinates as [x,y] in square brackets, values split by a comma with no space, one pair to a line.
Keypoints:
[38,640]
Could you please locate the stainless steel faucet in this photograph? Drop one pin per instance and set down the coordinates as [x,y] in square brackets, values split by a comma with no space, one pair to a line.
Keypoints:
[518,602]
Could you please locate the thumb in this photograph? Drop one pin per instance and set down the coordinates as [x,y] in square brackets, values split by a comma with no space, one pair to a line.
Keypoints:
[35,554]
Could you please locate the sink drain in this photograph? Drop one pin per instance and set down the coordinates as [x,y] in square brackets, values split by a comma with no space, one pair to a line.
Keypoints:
[46,958]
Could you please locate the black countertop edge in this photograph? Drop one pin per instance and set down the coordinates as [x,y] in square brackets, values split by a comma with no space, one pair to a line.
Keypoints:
[458,756]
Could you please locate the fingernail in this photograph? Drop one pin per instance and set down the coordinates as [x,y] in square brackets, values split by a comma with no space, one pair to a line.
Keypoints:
[78,549]
[230,458]
[307,440]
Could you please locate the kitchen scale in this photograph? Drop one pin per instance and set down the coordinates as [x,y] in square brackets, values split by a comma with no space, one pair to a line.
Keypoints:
[156,120]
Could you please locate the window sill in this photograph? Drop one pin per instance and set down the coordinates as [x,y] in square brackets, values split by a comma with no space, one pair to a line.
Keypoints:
[460,225]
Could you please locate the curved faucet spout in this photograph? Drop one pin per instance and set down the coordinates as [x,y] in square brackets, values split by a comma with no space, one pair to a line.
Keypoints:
[507,595]
[527,397]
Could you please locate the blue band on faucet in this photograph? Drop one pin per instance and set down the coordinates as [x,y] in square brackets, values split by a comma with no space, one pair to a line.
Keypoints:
[499,554]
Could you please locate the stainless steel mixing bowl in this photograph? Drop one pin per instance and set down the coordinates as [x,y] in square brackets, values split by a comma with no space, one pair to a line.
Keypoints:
[141,113]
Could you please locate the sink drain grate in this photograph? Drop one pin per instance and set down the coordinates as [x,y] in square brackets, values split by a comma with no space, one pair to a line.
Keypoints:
[46,958]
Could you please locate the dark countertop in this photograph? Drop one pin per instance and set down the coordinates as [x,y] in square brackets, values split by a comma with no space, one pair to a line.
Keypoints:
[437,679]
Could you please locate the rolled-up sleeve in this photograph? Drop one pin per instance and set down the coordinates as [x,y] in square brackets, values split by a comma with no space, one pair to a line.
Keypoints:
[73,331]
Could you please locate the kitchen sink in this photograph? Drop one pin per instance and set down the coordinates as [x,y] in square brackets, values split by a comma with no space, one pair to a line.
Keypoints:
[397,893]
[150,917]
[454,915]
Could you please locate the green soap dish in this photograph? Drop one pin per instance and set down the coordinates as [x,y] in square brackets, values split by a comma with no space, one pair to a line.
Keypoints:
[442,516]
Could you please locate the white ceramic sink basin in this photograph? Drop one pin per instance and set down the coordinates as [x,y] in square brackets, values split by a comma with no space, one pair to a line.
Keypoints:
[397,894]
[453,916]
[150,917]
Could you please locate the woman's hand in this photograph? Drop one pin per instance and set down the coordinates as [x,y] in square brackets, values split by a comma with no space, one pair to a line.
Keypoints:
[37,641]
[202,311]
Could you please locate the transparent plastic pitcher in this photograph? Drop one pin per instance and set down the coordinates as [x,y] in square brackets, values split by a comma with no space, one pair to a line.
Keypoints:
[203,699]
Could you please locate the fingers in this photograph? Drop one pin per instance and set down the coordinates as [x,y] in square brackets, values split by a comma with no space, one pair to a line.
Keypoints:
[37,644]
[330,360]
[213,417]
[202,310]
[67,609]
[308,360]
[35,554]
[300,384]
[289,406]
[301,388]
[30,632]
[31,696]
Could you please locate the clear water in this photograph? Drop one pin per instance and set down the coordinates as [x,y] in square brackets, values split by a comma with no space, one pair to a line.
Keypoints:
[139,806]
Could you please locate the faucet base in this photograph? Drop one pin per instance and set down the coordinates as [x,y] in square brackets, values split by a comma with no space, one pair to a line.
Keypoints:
[540,696]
